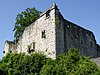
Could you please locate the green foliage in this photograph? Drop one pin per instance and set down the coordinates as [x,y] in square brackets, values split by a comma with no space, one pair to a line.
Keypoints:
[48,68]
[70,63]
[21,64]
[23,20]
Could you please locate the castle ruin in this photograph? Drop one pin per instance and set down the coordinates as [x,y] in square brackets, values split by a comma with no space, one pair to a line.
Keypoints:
[52,35]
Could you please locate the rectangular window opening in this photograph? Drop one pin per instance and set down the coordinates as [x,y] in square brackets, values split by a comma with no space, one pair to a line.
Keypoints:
[43,34]
[34,46]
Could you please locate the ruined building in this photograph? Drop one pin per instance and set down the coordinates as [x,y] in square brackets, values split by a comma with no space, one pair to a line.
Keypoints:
[52,35]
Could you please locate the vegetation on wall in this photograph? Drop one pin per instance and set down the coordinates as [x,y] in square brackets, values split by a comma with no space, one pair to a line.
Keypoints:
[70,63]
[58,19]
[23,20]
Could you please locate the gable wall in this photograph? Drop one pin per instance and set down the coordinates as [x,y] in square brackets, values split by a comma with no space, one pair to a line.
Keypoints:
[80,38]
[33,33]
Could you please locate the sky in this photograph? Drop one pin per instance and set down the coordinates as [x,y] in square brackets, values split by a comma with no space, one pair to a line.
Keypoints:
[85,13]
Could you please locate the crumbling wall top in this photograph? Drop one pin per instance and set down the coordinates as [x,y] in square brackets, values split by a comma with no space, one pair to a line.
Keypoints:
[9,42]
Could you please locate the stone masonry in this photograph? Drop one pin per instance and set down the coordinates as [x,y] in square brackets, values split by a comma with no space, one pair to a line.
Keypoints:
[51,34]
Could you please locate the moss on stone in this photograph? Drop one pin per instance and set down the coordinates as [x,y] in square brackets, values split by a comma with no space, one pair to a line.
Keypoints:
[58,19]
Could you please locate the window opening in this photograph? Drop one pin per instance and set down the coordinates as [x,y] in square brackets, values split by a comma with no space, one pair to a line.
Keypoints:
[43,34]
[48,13]
[34,46]
[89,33]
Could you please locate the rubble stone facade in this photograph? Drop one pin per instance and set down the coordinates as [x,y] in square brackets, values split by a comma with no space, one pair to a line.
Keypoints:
[52,35]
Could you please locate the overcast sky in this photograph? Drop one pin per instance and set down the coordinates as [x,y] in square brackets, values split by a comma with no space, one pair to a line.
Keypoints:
[85,13]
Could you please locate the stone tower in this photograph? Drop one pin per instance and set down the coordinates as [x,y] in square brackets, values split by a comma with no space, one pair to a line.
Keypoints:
[52,35]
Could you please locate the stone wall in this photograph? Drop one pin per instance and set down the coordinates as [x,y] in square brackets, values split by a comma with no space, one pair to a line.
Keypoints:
[80,38]
[96,60]
[9,47]
[41,33]
[59,33]
[51,34]
[98,50]
[70,35]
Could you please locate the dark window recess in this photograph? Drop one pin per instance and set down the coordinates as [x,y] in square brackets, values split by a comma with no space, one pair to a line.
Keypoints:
[10,51]
[59,41]
[33,47]
[3,51]
[43,34]
[68,25]
[76,36]
[48,13]
[46,50]
[89,33]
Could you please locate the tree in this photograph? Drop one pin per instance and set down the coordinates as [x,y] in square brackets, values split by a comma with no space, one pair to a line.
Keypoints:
[23,20]
[70,63]
[21,64]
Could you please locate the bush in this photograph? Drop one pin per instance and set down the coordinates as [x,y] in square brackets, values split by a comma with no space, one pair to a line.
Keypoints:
[70,63]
